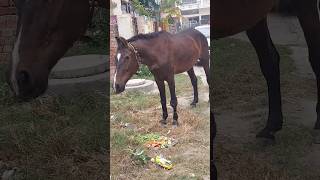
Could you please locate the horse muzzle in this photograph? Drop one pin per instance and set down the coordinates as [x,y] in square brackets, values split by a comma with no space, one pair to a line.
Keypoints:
[119,88]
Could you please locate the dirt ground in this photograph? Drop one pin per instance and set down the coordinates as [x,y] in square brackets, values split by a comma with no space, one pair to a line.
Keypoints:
[190,156]
[240,104]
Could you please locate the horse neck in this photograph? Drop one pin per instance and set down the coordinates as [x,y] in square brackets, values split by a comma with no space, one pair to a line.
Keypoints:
[143,47]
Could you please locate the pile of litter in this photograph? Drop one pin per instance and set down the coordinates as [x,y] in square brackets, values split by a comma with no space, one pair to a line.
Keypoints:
[161,142]
[161,161]
[154,141]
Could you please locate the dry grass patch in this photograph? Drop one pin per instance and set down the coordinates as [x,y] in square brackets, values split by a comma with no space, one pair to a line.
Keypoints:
[190,156]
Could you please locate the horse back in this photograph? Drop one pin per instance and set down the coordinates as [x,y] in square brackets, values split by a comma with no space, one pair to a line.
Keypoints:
[186,48]
[234,16]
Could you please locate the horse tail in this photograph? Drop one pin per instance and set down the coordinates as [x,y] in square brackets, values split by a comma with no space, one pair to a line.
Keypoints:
[204,46]
[204,55]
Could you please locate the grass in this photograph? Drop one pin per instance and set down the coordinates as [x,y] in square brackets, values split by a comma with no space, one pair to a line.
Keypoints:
[56,137]
[53,136]
[240,89]
[143,112]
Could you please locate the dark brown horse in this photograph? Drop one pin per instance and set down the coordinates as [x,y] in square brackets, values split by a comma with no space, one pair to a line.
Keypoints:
[233,16]
[46,29]
[165,55]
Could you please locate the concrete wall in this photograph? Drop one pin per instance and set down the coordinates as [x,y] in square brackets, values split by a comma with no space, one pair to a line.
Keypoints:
[125,26]
[113,44]
[8,23]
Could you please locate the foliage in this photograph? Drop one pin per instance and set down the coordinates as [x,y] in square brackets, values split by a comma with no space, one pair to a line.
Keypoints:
[139,157]
[142,10]
[168,7]
[144,71]
[147,137]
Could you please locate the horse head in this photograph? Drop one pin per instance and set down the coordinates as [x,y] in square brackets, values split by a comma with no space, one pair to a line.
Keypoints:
[126,62]
[46,29]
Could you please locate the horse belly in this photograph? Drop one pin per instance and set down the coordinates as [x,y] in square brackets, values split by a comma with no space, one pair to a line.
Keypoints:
[185,53]
[233,16]
[185,61]
[183,66]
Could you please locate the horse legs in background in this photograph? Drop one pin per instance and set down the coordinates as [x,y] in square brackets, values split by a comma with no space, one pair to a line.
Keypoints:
[173,101]
[194,83]
[309,16]
[213,135]
[269,62]
[163,101]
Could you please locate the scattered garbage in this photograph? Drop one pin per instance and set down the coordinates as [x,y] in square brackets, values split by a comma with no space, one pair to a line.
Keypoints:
[127,125]
[161,161]
[161,142]
[156,141]
[124,125]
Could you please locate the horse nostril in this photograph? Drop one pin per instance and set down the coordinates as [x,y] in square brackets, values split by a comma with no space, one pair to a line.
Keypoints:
[23,78]
[117,87]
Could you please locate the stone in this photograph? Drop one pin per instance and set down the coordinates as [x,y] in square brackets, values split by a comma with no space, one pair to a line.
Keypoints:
[79,66]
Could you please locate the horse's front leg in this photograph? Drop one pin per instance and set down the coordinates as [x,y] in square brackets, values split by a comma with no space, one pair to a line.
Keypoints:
[173,101]
[163,101]
[269,62]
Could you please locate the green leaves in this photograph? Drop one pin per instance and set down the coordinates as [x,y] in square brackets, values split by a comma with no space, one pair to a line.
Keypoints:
[141,9]
[139,157]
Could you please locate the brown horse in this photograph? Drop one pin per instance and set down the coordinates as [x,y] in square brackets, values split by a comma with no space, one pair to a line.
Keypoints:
[233,16]
[46,29]
[165,55]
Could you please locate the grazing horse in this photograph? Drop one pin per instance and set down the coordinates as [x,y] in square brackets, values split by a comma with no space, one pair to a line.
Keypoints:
[46,29]
[165,55]
[233,16]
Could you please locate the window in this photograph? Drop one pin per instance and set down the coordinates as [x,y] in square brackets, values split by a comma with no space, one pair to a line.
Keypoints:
[189,1]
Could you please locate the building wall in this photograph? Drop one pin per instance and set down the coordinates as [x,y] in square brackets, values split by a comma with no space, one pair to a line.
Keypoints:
[8,23]
[193,12]
[125,26]
[113,44]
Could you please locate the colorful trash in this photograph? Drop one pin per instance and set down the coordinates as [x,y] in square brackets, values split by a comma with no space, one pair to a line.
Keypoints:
[161,142]
[161,161]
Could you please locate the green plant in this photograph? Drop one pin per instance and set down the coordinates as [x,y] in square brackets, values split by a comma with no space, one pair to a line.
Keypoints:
[147,137]
[139,157]
[144,71]
[140,8]
[99,28]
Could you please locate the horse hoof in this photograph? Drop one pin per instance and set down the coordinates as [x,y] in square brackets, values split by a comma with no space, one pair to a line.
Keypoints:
[193,105]
[163,123]
[265,133]
[175,124]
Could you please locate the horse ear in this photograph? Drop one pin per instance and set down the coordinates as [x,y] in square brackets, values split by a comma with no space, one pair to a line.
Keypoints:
[122,42]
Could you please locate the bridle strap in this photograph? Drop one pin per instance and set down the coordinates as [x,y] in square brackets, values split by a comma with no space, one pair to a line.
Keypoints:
[139,60]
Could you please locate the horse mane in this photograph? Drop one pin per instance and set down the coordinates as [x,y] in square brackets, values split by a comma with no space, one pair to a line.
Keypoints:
[146,36]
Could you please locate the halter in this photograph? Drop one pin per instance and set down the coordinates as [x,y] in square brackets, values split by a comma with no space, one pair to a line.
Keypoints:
[136,53]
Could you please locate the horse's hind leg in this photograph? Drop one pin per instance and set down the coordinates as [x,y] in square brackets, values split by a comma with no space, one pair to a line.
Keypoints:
[269,62]
[194,83]
[162,91]
[309,17]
